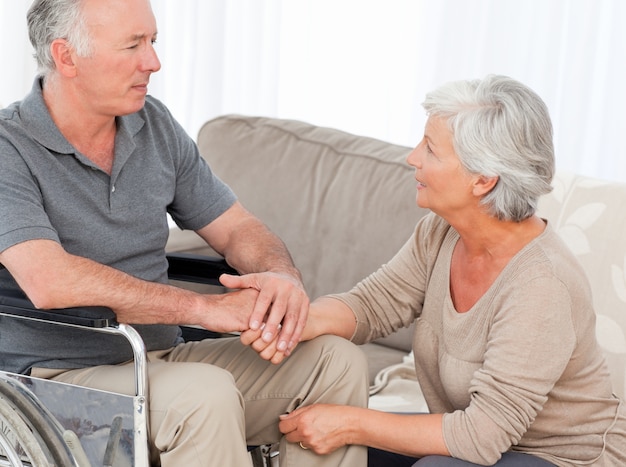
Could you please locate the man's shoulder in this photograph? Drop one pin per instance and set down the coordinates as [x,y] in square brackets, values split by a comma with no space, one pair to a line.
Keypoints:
[9,114]
[13,126]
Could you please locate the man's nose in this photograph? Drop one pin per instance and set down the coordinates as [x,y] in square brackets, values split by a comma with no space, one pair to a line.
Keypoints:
[151,60]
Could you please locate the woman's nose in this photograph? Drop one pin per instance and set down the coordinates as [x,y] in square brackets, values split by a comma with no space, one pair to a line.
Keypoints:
[413,159]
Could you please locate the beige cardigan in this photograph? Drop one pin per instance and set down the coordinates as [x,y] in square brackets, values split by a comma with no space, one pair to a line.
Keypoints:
[521,370]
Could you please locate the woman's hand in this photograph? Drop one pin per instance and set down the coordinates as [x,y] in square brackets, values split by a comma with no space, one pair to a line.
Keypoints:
[266,350]
[323,428]
[325,316]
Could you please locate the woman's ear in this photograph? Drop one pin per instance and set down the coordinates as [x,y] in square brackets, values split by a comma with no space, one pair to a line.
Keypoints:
[484,184]
[63,55]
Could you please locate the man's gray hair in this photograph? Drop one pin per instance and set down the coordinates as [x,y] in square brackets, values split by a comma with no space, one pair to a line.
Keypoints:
[500,128]
[49,20]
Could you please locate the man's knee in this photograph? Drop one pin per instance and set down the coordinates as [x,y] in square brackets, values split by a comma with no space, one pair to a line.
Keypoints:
[343,351]
[342,363]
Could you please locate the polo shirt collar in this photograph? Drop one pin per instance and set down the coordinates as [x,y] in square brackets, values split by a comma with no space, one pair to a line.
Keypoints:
[38,122]
[40,125]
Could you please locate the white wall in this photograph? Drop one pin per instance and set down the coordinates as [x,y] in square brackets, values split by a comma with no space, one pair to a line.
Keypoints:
[365,65]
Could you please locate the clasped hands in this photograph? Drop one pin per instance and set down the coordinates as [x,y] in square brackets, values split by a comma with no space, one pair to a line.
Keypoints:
[279,313]
[277,324]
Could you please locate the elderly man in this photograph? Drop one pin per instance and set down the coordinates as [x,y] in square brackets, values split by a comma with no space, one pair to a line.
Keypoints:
[89,167]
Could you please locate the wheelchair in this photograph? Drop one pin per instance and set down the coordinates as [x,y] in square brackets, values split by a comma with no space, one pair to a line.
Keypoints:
[45,423]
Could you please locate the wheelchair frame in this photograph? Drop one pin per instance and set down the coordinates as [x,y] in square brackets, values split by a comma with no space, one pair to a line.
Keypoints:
[30,431]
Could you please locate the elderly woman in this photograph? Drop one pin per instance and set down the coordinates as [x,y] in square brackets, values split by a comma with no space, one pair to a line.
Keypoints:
[505,348]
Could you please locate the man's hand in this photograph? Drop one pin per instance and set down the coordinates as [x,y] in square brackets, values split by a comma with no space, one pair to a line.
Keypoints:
[282,304]
[265,265]
[229,312]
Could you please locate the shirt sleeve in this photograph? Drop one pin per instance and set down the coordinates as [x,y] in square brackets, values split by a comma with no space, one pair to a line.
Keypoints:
[21,204]
[200,196]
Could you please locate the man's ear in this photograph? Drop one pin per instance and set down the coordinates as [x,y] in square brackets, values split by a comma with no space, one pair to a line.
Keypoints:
[484,184]
[63,56]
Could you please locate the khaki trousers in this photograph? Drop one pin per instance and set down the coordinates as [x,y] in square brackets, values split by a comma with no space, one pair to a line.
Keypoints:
[209,399]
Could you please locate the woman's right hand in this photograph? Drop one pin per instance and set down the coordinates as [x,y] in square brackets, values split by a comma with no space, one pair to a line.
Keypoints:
[323,428]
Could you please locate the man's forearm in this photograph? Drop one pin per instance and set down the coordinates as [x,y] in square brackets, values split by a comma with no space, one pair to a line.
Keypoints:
[266,266]
[256,249]
[53,278]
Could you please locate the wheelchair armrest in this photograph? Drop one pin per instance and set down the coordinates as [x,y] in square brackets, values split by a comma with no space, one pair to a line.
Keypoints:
[182,267]
[197,268]
[17,305]
[188,267]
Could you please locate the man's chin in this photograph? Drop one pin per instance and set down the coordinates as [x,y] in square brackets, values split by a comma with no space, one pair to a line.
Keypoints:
[137,105]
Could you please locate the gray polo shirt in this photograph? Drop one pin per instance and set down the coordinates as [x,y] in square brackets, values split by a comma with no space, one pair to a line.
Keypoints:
[48,190]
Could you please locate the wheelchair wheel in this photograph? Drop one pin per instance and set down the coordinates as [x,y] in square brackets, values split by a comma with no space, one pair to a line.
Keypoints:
[27,437]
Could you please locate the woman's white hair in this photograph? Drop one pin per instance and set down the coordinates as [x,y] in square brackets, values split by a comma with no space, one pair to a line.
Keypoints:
[500,128]
[49,20]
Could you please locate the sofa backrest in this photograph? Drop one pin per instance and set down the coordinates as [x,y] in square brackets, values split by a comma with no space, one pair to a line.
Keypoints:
[343,204]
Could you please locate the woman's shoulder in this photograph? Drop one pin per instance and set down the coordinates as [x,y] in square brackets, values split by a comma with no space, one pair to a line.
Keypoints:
[556,254]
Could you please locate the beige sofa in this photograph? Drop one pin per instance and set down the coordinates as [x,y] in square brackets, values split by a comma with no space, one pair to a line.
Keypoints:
[344,204]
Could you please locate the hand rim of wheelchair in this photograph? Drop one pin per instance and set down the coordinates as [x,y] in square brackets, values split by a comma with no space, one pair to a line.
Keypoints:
[30,434]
